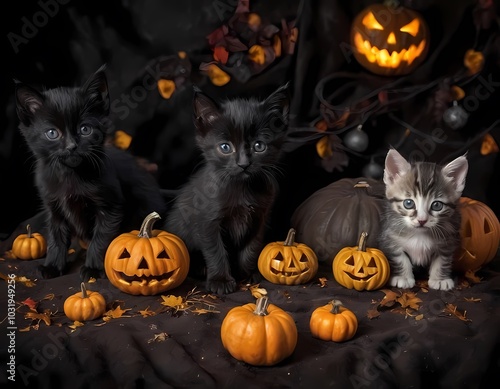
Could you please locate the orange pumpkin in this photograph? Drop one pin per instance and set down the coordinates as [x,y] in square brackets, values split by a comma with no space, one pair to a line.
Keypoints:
[146,262]
[388,40]
[288,262]
[30,245]
[333,322]
[480,235]
[84,305]
[361,268]
[260,334]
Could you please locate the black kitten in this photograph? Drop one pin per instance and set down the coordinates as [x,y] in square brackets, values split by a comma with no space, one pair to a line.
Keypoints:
[222,211]
[89,189]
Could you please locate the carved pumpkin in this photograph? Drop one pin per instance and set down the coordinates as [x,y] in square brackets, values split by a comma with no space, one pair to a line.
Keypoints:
[334,216]
[480,235]
[333,322]
[260,334]
[146,262]
[388,40]
[361,268]
[30,245]
[84,305]
[288,262]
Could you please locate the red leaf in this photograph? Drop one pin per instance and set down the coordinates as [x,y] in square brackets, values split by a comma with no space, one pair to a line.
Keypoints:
[221,54]
[30,303]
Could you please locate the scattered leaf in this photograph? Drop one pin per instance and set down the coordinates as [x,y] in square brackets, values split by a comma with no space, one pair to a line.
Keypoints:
[257,292]
[472,299]
[372,313]
[451,309]
[409,300]
[115,313]
[30,303]
[322,282]
[172,301]
[471,277]
[147,312]
[202,311]
[166,88]
[389,299]
[161,337]
[419,317]
[75,325]
[45,317]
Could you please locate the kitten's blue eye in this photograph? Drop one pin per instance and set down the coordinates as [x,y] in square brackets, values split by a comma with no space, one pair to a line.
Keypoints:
[259,146]
[86,130]
[225,148]
[436,206]
[52,134]
[409,204]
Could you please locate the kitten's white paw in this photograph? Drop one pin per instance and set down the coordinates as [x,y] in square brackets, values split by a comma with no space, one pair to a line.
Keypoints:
[402,282]
[445,284]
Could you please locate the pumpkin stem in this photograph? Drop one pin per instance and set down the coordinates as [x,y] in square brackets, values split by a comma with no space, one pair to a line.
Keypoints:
[290,238]
[336,304]
[146,230]
[362,241]
[84,290]
[261,306]
[28,230]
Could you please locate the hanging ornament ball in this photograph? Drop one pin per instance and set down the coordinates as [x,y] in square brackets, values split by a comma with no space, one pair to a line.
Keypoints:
[373,170]
[356,140]
[455,117]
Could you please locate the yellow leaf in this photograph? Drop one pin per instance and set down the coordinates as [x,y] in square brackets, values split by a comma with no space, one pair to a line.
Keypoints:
[166,88]
[409,300]
[324,147]
[257,54]
[172,301]
[38,316]
[161,337]
[474,61]
[122,140]
[115,313]
[147,312]
[472,300]
[322,281]
[201,311]
[257,292]
[218,76]
[489,145]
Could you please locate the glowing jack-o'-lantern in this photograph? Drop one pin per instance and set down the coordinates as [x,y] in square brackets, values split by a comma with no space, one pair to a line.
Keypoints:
[480,235]
[389,40]
[361,268]
[288,262]
[146,262]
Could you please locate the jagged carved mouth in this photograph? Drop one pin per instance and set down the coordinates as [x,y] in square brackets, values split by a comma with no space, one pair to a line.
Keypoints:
[143,280]
[288,273]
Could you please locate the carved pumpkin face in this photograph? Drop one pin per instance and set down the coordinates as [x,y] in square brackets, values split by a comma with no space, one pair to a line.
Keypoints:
[361,268]
[288,262]
[146,262]
[389,41]
[480,235]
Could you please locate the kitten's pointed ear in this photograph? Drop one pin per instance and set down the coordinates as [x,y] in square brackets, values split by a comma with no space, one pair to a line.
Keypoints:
[97,89]
[395,166]
[28,102]
[456,171]
[279,101]
[205,110]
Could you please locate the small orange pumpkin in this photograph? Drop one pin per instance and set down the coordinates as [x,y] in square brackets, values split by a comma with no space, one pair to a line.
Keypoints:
[333,322]
[147,262]
[260,334]
[360,267]
[480,235]
[84,305]
[30,245]
[288,262]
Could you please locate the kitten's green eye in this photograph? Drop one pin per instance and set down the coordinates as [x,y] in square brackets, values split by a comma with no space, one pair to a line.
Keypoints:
[436,206]
[85,130]
[225,148]
[259,146]
[52,134]
[409,204]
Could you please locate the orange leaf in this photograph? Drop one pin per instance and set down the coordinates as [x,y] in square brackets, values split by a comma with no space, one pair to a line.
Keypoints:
[452,310]
[221,54]
[166,88]
[410,300]
[474,61]
[122,140]
[218,76]
[489,146]
[257,54]
[389,299]
[372,314]
[324,147]
[39,316]
[115,313]
[147,312]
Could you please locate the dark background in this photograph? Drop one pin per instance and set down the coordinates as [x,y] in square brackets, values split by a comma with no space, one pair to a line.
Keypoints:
[77,37]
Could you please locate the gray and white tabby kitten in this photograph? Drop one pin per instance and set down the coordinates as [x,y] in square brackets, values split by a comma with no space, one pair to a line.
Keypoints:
[421,223]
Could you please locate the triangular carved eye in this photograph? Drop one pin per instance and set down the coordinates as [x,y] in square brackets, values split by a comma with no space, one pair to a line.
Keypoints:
[350,261]
[279,257]
[411,28]
[303,258]
[143,264]
[370,22]
[124,255]
[163,255]
[371,263]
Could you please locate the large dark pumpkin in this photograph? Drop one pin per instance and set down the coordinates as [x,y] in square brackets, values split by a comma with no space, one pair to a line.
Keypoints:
[334,217]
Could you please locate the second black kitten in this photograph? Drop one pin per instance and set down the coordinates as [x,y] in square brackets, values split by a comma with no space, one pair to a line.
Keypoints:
[89,189]
[223,210]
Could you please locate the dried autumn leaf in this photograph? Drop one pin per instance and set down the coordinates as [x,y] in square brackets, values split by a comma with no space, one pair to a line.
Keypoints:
[389,299]
[202,311]
[166,88]
[26,281]
[146,312]
[409,300]
[172,301]
[221,54]
[30,303]
[217,76]
[75,325]
[452,310]
[277,45]
[45,317]
[115,313]
[419,317]
[472,299]
[474,61]
[161,337]
[489,145]
[324,147]
[257,54]
[49,296]
[457,93]
[322,281]
[471,277]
